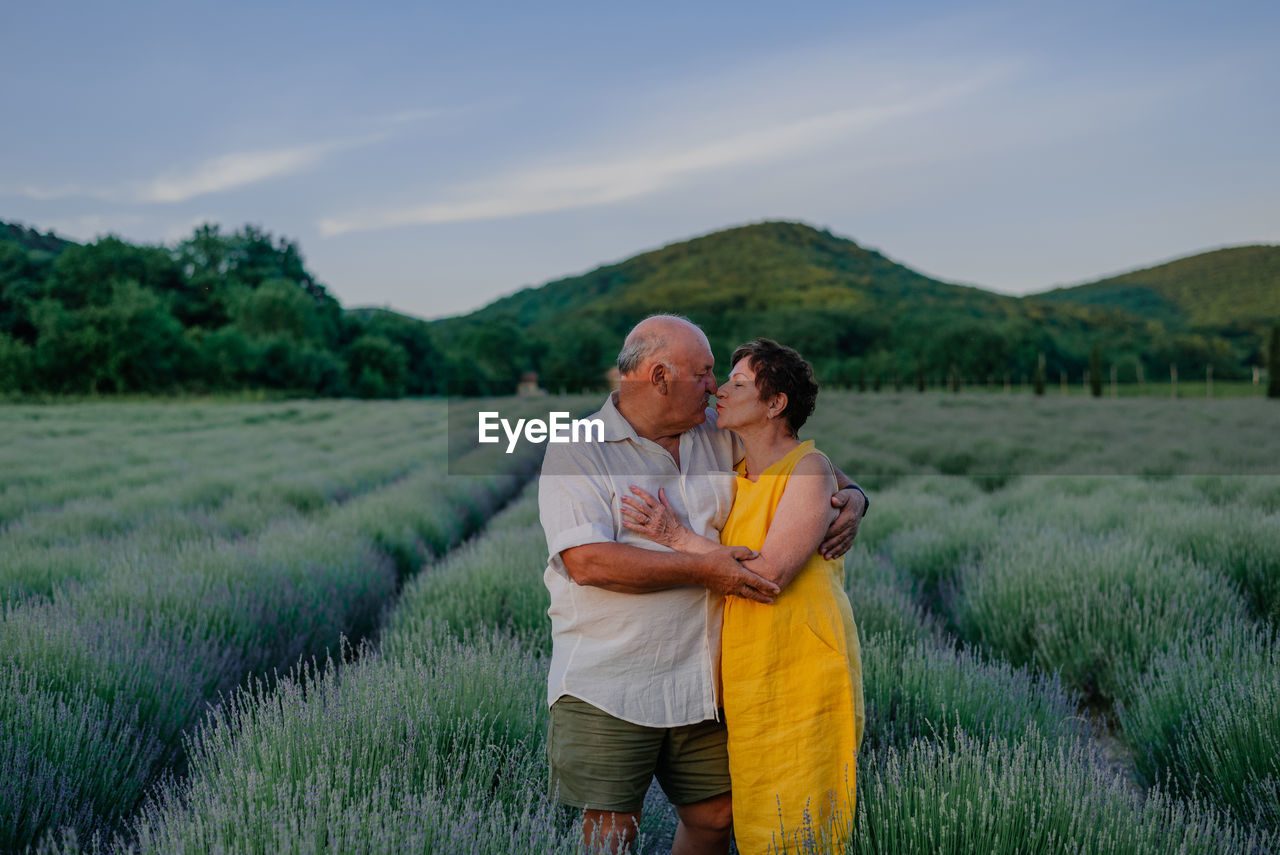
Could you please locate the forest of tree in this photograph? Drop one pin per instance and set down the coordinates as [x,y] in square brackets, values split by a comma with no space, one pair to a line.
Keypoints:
[228,312]
[218,312]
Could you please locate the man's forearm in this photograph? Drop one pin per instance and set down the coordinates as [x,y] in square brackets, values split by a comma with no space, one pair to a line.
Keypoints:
[844,482]
[626,569]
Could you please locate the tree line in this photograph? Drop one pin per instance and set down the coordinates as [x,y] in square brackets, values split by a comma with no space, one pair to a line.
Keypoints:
[233,311]
[218,312]
[488,353]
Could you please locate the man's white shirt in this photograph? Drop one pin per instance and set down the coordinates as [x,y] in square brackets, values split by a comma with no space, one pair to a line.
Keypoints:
[650,659]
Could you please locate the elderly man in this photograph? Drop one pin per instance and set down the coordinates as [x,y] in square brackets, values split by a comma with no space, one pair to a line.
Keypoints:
[636,627]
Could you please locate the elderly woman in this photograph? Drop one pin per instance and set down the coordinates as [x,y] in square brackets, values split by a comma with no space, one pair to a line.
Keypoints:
[791,671]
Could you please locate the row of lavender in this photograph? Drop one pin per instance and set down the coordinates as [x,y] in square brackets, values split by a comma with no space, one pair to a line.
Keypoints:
[78,496]
[1154,598]
[434,741]
[154,557]
[430,742]
[995,438]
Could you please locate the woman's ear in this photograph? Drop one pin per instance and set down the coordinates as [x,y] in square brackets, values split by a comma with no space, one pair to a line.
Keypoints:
[777,405]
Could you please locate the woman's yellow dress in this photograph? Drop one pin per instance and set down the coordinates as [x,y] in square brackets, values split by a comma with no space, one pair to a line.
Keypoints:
[792,690]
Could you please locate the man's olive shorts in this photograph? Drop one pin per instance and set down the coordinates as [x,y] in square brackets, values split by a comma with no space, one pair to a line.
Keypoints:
[599,762]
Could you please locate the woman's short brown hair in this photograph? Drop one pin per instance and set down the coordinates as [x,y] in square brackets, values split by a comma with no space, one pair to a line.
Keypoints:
[782,369]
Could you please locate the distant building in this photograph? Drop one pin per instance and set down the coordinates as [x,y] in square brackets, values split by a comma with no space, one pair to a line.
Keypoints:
[528,386]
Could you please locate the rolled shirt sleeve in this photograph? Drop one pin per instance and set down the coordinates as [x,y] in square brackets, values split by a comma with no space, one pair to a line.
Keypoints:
[574,502]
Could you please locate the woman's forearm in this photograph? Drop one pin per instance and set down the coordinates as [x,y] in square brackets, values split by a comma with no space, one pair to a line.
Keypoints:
[798,523]
[779,573]
[694,544]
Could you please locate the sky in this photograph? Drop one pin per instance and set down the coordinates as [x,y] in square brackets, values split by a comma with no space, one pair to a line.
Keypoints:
[432,158]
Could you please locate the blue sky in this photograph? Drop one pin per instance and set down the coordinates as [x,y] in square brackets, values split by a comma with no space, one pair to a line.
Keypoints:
[433,158]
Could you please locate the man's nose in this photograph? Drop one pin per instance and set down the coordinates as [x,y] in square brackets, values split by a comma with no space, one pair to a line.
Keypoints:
[711,385]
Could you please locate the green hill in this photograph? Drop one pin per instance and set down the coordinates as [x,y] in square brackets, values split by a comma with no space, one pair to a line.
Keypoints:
[831,298]
[750,269]
[1237,288]
[860,317]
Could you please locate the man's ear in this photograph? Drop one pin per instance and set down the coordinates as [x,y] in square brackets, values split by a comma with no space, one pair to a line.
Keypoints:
[658,376]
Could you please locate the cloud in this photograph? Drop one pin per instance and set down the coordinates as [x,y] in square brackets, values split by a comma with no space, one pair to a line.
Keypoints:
[631,174]
[229,171]
[215,175]
[218,174]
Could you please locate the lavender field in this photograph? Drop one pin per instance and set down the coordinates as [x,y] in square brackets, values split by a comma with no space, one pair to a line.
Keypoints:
[155,557]
[1057,658]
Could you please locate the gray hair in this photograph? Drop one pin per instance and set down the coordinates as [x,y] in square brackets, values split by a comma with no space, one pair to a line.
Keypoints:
[639,346]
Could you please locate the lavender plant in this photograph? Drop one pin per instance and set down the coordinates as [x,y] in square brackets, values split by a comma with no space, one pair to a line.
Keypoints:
[494,583]
[936,548]
[924,688]
[1241,543]
[884,603]
[968,794]
[1205,718]
[1097,609]
[295,766]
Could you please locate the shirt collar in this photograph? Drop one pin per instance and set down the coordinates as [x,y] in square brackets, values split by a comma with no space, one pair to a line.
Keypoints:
[616,428]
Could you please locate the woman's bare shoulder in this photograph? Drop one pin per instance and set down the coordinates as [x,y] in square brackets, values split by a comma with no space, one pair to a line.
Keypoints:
[814,463]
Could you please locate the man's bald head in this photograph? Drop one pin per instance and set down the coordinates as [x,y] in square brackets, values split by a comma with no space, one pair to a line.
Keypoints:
[659,338]
[666,366]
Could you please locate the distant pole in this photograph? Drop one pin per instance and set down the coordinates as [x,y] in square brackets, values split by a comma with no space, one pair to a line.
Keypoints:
[1115,375]
[1208,381]
[1173,380]
[1039,375]
[1095,372]
[1273,364]
[1062,381]
[1142,380]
